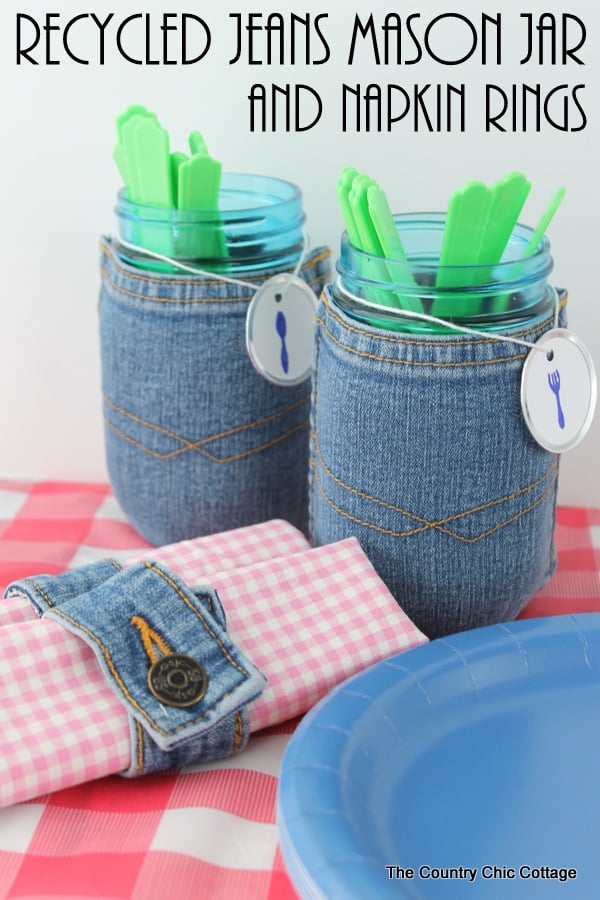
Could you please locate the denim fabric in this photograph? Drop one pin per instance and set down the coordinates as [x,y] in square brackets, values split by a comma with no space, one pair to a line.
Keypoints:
[197,441]
[420,450]
[141,614]
[44,592]
[47,591]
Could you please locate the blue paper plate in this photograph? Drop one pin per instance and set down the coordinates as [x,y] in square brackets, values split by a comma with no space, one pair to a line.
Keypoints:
[465,768]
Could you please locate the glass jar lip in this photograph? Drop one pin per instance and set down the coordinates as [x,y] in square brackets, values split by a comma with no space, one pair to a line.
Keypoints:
[539,261]
[275,194]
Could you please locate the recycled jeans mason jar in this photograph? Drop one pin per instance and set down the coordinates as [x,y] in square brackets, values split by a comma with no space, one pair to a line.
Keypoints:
[197,441]
[418,444]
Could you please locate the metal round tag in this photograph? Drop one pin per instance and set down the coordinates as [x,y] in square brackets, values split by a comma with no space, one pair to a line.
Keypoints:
[177,680]
[558,390]
[279,329]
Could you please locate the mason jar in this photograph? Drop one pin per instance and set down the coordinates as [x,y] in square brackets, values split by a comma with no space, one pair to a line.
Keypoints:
[197,441]
[419,447]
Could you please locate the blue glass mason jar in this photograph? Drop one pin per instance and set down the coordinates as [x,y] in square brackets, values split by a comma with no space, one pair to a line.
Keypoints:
[418,443]
[197,441]
[481,296]
[258,227]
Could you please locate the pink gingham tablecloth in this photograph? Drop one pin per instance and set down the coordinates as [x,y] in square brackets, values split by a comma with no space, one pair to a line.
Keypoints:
[207,833]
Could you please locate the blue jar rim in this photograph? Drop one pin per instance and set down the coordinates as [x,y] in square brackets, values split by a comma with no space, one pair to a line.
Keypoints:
[488,295]
[278,194]
[258,226]
[536,266]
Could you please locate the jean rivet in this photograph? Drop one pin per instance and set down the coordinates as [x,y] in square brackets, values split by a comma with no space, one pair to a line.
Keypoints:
[177,680]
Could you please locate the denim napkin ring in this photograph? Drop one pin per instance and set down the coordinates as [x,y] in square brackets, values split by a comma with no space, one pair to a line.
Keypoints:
[197,442]
[165,651]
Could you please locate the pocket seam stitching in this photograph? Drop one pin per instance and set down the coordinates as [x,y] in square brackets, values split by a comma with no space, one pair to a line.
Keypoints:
[200,450]
[420,363]
[108,253]
[311,264]
[435,526]
[191,445]
[428,524]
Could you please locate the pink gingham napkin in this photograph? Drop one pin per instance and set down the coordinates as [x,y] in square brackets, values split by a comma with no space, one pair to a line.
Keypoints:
[308,620]
[60,722]
[197,559]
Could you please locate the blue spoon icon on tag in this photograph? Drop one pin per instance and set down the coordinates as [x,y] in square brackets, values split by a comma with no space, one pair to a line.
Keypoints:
[281,328]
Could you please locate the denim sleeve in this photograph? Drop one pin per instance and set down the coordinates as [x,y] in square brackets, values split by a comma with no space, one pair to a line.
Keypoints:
[165,651]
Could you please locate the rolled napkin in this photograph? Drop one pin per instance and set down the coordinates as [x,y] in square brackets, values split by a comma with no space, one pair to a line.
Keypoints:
[196,559]
[305,621]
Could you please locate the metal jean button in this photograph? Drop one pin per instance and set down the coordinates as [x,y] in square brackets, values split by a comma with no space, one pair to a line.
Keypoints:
[177,680]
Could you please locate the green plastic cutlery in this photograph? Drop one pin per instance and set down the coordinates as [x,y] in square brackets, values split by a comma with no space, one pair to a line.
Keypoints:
[177,158]
[479,224]
[371,228]
[359,204]
[156,176]
[545,220]
[146,146]
[383,223]
[198,190]
[468,208]
[197,143]
[343,188]
[508,199]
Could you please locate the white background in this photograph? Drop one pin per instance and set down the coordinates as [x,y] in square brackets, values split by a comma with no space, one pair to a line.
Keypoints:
[58,184]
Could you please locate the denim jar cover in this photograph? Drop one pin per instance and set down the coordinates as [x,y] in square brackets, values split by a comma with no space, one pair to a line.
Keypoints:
[419,447]
[197,441]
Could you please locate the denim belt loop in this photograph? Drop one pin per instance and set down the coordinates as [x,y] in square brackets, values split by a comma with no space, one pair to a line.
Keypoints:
[166,653]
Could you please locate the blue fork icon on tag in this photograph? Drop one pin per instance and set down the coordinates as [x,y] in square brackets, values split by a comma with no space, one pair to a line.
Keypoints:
[554,384]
